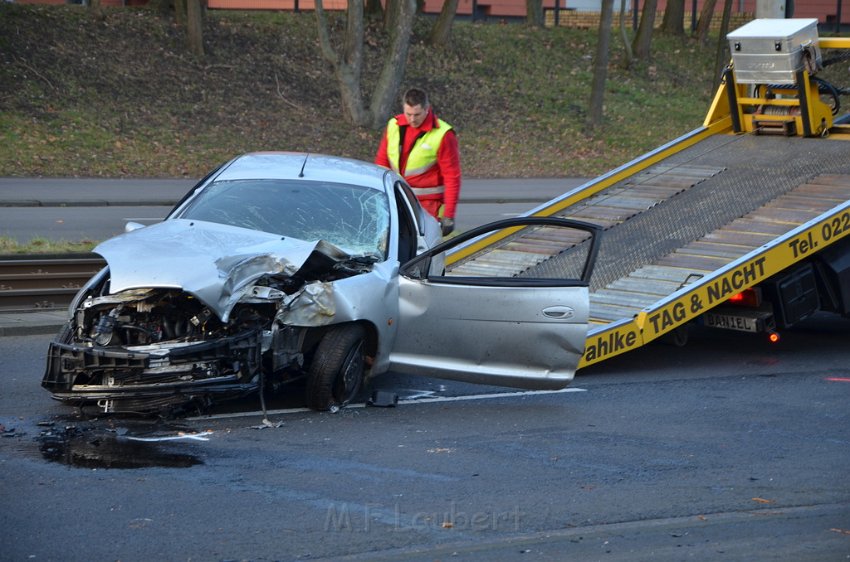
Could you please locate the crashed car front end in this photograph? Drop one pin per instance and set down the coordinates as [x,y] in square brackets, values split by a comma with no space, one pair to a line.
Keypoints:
[213,328]
[148,350]
[272,260]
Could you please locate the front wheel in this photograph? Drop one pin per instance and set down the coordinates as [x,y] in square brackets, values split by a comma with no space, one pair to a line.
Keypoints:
[336,373]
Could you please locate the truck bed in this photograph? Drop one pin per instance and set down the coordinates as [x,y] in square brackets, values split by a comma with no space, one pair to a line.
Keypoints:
[679,225]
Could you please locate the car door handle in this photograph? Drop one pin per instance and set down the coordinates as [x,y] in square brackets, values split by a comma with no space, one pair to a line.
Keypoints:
[559,312]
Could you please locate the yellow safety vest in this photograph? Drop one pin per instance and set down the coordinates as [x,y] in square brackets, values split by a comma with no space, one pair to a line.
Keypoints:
[423,155]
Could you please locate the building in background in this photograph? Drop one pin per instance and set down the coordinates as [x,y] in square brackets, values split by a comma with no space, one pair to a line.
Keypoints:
[570,13]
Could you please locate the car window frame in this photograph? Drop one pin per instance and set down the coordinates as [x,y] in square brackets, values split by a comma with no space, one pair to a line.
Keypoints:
[422,264]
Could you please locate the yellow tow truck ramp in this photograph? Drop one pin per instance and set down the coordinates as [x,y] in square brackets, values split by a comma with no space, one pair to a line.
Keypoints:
[753,205]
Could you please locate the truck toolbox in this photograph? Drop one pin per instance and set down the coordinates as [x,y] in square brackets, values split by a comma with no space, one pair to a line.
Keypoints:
[772,51]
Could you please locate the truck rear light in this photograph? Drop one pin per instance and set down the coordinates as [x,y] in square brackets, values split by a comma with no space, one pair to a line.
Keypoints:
[748,297]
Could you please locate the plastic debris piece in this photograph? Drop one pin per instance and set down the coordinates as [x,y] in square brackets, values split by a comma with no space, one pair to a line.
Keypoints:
[268,424]
[383,399]
[181,436]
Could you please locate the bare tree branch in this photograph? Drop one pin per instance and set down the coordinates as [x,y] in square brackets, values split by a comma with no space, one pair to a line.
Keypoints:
[281,96]
[24,63]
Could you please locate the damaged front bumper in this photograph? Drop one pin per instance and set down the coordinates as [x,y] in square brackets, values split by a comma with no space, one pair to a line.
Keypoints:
[154,377]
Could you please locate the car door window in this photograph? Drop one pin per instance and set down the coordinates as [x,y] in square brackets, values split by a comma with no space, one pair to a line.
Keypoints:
[512,261]
[407,224]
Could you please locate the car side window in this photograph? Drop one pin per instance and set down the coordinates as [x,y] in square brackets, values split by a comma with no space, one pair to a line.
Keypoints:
[456,261]
[407,228]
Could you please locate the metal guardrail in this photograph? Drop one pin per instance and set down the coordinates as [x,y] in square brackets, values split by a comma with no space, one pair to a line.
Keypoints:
[30,283]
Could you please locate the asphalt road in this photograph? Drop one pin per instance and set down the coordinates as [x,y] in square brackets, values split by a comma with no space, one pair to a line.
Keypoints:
[727,449]
[95,209]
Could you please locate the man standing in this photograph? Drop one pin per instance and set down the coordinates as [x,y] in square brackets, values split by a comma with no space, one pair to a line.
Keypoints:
[423,149]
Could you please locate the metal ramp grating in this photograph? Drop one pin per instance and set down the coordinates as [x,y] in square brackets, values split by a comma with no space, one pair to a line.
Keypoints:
[758,170]
[611,207]
[627,296]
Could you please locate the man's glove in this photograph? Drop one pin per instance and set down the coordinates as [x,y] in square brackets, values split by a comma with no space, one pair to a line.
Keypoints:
[447,225]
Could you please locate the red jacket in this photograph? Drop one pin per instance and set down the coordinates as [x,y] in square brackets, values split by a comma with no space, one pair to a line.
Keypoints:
[446,172]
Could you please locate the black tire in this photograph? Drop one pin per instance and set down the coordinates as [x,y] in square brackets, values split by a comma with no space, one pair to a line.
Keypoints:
[336,373]
[678,337]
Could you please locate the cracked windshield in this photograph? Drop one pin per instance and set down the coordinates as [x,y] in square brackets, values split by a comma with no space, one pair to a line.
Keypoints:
[353,218]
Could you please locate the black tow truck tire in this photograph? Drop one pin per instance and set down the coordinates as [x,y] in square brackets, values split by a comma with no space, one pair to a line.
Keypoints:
[337,370]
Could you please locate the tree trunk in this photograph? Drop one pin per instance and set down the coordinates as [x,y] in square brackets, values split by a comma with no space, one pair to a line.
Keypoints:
[643,39]
[386,89]
[161,7]
[442,30]
[534,13]
[624,34]
[195,27]
[374,8]
[180,8]
[674,18]
[391,14]
[704,23]
[347,67]
[96,9]
[348,64]
[600,67]
[722,57]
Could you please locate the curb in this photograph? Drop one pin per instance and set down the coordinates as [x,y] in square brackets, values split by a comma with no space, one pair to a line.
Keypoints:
[29,330]
[93,203]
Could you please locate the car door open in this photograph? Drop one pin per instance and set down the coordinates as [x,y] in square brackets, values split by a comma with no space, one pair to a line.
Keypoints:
[463,320]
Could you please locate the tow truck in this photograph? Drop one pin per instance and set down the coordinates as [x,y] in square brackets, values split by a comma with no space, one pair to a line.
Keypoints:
[742,224]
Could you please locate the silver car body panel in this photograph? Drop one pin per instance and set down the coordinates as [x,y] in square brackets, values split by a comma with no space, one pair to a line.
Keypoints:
[491,335]
[370,297]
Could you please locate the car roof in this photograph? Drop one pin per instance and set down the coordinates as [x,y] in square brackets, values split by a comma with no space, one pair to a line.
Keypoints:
[303,166]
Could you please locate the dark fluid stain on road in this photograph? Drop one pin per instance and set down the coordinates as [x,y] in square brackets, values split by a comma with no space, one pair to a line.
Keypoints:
[99,449]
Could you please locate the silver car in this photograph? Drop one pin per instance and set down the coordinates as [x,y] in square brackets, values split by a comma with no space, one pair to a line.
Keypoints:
[280,266]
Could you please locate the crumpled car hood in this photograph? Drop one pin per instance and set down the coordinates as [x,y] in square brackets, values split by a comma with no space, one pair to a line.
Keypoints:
[215,263]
